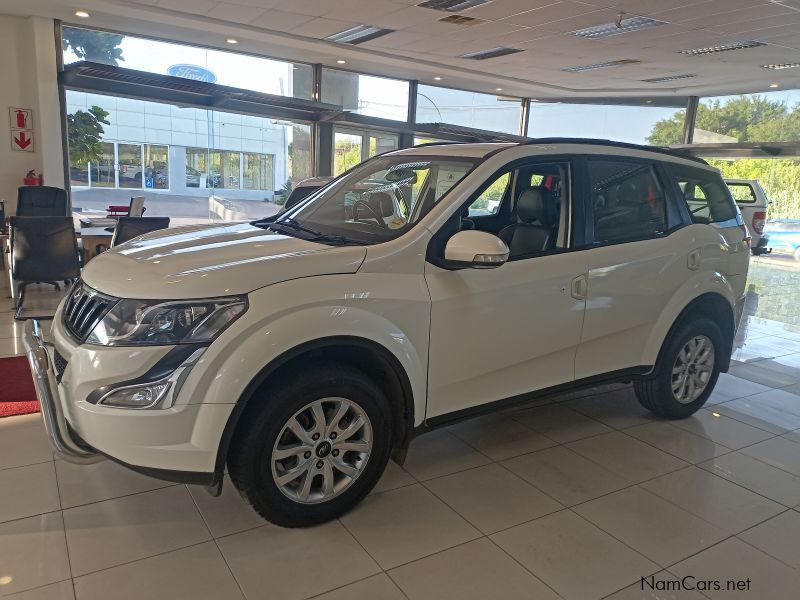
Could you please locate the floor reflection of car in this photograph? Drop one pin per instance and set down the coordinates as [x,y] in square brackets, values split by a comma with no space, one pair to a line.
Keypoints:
[783,237]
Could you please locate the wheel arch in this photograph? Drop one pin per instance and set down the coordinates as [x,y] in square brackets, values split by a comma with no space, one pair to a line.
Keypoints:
[364,354]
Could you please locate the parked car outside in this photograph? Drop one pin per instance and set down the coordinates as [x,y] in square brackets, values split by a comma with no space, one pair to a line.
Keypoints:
[754,205]
[783,237]
[299,353]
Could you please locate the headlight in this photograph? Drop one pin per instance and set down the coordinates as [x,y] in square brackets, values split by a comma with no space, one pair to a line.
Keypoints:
[166,322]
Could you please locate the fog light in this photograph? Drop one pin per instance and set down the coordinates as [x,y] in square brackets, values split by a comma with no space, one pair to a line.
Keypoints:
[140,396]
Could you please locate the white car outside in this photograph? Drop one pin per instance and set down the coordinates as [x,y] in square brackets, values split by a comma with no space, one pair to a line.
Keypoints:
[301,351]
[754,206]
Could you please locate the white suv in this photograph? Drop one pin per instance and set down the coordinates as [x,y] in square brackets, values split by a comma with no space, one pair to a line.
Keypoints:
[301,352]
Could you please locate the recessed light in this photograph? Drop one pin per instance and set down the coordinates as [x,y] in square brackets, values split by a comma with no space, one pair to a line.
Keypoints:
[232,41]
[341,62]
[773,85]
[451,5]
[648,101]
[626,25]
[534,99]
[742,45]
[498,89]
[358,34]
[82,14]
[437,78]
[490,53]
[606,65]
[780,66]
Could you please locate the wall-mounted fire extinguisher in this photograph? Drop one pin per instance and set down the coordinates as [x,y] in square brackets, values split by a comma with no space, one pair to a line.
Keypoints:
[31,178]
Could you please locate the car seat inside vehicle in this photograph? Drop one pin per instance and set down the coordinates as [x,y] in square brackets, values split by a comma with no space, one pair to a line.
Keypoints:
[536,217]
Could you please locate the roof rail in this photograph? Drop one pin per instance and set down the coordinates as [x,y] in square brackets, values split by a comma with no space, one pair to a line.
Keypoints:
[598,142]
[443,143]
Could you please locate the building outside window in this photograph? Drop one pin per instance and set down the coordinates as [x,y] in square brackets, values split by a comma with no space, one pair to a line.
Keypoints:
[469,109]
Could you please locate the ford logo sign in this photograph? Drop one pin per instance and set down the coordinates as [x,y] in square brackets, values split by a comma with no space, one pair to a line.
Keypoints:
[193,72]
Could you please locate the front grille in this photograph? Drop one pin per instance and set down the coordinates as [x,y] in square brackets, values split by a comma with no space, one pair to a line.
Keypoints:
[83,310]
[60,363]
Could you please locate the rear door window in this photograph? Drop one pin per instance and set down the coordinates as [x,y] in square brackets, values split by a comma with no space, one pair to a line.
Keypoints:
[742,192]
[707,197]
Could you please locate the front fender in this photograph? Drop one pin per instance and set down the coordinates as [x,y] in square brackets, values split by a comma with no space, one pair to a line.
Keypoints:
[698,285]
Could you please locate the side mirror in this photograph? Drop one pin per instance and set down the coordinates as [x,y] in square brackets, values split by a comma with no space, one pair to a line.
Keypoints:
[476,249]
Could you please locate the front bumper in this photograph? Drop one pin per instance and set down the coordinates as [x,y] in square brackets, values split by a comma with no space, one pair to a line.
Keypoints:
[61,439]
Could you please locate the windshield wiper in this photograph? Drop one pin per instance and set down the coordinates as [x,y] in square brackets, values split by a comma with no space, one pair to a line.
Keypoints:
[317,236]
[294,225]
[337,239]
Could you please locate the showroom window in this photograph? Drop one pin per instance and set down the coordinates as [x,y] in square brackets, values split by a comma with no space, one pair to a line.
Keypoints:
[468,109]
[765,117]
[191,62]
[627,201]
[633,123]
[353,146]
[191,164]
[366,95]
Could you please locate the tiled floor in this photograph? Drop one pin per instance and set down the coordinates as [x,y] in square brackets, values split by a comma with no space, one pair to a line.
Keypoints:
[578,499]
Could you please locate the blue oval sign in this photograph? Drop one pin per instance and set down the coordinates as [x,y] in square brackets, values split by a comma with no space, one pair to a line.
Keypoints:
[193,72]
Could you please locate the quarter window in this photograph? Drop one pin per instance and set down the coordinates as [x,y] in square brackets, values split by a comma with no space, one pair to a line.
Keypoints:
[628,201]
[707,197]
[488,203]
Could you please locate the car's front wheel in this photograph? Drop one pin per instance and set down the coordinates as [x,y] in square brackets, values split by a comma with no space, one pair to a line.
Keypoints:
[317,445]
[687,371]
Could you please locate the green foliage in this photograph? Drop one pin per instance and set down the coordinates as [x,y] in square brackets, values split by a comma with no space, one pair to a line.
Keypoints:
[84,135]
[748,119]
[494,193]
[346,156]
[93,46]
[283,193]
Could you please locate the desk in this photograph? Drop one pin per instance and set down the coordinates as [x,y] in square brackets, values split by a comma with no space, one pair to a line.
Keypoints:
[91,238]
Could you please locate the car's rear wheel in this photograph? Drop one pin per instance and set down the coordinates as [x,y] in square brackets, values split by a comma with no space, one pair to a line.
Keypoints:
[316,446]
[687,372]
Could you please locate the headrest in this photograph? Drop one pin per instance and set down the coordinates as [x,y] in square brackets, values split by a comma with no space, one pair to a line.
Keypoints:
[532,206]
[381,203]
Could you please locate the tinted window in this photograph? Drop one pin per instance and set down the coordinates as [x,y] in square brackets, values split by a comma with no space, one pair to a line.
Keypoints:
[707,197]
[742,192]
[627,200]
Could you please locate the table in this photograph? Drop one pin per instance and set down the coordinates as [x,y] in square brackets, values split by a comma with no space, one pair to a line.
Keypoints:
[92,237]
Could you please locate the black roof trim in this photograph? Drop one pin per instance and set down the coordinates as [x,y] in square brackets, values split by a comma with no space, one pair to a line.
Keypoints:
[613,144]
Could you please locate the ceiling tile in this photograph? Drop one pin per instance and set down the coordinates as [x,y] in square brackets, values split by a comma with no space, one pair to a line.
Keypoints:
[396,39]
[500,9]
[278,20]
[193,6]
[321,27]
[359,10]
[405,17]
[703,10]
[551,13]
[234,12]
[314,8]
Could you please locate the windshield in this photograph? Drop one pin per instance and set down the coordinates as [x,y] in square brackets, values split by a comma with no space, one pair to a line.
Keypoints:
[375,202]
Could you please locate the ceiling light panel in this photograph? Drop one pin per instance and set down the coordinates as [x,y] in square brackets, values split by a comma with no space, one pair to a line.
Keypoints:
[667,78]
[626,25]
[781,66]
[452,5]
[358,34]
[461,20]
[490,53]
[606,65]
[742,45]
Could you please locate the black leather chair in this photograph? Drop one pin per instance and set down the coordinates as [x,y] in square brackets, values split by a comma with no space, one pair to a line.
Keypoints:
[130,227]
[41,201]
[537,221]
[43,250]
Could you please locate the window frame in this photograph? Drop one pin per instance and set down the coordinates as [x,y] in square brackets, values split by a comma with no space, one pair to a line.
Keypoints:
[674,220]
[680,199]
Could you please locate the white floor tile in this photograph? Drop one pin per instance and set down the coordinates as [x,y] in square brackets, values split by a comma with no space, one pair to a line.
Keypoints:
[566,475]
[406,524]
[512,500]
[572,556]
[678,442]
[28,491]
[721,429]
[500,437]
[777,537]
[11,346]
[618,409]
[291,564]
[778,452]
[661,586]
[440,453]
[83,484]
[757,476]
[735,561]
[474,571]
[730,387]
[23,442]
[627,456]
[393,477]
[661,531]
[55,591]
[776,411]
[560,423]
[377,587]
[110,533]
[717,500]
[227,514]
[197,573]
[33,552]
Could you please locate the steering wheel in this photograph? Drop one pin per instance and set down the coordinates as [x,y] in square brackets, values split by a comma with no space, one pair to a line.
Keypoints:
[378,218]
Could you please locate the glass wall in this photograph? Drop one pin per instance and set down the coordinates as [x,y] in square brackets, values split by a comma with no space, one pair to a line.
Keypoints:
[765,117]
[468,109]
[193,165]
[179,60]
[352,146]
[636,124]
[366,95]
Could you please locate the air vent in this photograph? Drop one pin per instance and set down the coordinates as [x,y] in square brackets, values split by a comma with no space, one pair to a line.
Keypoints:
[461,20]
[606,65]
[667,78]
[723,48]
[781,66]
[358,34]
[490,53]
[622,26]
[452,5]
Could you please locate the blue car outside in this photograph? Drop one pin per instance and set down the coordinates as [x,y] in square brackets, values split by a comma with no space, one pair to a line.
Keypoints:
[784,236]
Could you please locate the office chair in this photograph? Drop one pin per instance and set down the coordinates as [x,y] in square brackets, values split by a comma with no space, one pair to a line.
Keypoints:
[43,250]
[131,227]
[41,201]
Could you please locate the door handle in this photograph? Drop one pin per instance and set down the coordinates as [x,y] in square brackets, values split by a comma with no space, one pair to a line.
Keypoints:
[693,259]
[579,287]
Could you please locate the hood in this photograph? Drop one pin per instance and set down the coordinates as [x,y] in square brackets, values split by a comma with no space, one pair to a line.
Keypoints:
[213,260]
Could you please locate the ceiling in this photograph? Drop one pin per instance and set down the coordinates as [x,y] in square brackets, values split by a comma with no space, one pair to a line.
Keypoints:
[422,47]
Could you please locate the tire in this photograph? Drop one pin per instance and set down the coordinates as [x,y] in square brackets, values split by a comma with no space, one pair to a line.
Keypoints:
[657,393]
[267,450]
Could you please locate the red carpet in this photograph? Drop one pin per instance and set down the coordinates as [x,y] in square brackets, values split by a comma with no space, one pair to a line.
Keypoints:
[17,394]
